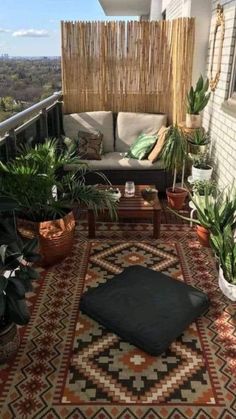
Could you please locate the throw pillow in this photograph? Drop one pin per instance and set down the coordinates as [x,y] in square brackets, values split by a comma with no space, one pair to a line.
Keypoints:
[141,146]
[90,145]
[157,149]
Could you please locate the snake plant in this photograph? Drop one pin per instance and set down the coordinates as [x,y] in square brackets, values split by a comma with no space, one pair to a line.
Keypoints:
[224,246]
[198,98]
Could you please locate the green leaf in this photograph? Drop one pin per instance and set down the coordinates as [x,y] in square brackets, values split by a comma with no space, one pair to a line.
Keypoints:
[3,283]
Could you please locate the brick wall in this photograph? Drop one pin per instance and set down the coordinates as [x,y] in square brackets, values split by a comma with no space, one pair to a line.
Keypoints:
[222,127]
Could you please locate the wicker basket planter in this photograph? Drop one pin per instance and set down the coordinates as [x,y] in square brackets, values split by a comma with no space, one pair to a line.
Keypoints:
[56,237]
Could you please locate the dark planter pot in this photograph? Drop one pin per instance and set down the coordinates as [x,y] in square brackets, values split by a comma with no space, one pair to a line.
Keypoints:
[9,342]
[176,198]
[56,237]
[203,236]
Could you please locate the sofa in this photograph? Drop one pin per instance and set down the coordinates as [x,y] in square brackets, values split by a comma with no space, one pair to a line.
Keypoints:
[119,132]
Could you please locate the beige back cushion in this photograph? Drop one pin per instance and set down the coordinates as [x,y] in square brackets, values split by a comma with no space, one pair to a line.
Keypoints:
[157,149]
[130,125]
[91,122]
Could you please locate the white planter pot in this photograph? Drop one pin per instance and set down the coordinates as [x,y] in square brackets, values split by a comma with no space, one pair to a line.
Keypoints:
[229,290]
[193,121]
[201,174]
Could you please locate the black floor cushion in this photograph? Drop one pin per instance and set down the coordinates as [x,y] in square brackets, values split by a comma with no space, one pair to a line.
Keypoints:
[145,307]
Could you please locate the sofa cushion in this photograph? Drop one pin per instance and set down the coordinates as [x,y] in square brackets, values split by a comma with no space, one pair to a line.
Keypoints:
[130,125]
[157,149]
[92,122]
[142,146]
[90,145]
[116,161]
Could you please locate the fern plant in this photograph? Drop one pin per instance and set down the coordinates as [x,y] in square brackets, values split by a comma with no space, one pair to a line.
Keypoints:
[198,98]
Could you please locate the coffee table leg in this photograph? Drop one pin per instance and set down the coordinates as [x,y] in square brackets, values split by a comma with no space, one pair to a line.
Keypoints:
[156,224]
[91,224]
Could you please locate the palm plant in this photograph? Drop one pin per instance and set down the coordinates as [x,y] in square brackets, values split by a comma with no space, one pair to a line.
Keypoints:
[198,98]
[32,180]
[174,153]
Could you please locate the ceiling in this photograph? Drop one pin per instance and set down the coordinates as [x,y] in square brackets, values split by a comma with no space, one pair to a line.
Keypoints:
[126,7]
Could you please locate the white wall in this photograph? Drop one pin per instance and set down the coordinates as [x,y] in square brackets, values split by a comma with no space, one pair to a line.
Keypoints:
[222,127]
[156,10]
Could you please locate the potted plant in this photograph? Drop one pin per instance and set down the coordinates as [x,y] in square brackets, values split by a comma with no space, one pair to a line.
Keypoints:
[224,246]
[213,215]
[46,196]
[16,276]
[198,143]
[201,170]
[174,155]
[202,187]
[197,99]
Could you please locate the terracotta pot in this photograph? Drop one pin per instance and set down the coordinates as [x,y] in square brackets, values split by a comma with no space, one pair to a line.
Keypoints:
[203,236]
[9,342]
[56,237]
[193,121]
[229,290]
[176,199]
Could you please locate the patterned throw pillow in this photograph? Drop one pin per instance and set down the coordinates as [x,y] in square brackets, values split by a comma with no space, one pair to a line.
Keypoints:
[90,145]
[141,146]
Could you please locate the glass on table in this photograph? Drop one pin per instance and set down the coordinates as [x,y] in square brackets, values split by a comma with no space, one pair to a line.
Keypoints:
[129,188]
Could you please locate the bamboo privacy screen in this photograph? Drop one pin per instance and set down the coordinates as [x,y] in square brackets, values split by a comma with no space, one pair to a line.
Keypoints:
[127,66]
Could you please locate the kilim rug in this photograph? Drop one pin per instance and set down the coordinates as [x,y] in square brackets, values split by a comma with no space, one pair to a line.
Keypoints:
[68,366]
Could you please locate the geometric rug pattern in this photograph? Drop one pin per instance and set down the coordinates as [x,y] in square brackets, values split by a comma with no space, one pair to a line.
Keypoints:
[68,366]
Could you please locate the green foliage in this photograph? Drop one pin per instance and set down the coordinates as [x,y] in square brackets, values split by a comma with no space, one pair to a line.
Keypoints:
[204,187]
[200,137]
[15,257]
[174,150]
[214,214]
[198,98]
[224,246]
[37,181]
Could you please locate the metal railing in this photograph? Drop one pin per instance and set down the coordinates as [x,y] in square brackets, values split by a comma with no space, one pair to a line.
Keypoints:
[45,117]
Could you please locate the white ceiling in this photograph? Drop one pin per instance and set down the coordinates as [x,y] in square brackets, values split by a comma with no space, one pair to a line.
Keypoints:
[126,7]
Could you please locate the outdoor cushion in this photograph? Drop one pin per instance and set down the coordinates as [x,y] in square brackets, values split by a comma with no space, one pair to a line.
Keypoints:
[145,307]
[157,149]
[141,146]
[92,122]
[90,145]
[117,161]
[130,125]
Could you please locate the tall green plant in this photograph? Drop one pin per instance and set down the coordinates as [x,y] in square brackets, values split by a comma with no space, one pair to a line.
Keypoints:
[198,98]
[174,153]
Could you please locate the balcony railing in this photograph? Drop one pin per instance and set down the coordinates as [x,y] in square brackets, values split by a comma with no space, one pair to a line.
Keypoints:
[34,124]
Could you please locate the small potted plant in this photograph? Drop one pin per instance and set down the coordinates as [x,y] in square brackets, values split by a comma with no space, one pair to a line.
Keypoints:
[16,275]
[149,194]
[174,155]
[224,246]
[201,170]
[197,99]
[202,187]
[198,143]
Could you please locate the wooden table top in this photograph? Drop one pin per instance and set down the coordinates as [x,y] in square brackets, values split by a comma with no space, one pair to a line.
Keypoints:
[136,202]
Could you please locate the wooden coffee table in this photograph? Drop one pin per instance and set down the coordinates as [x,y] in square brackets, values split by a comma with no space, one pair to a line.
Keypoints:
[132,207]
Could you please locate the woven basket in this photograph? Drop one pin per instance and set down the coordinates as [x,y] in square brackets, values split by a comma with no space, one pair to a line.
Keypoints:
[55,237]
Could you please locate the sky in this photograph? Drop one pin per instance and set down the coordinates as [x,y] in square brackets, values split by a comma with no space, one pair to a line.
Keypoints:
[32,27]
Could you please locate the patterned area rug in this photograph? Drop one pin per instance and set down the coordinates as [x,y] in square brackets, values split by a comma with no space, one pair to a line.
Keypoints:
[70,367]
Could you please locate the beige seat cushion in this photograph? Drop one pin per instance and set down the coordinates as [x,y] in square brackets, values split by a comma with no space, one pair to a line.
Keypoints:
[116,161]
[156,151]
[130,125]
[91,122]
